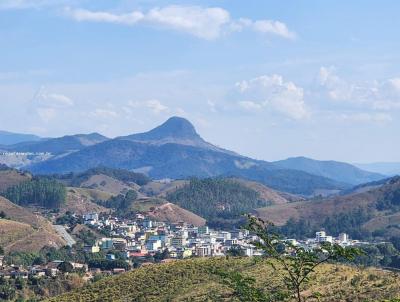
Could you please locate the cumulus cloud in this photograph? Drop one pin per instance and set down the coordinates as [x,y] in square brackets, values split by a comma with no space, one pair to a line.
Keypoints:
[207,23]
[52,100]
[153,105]
[264,26]
[272,92]
[380,95]
[46,105]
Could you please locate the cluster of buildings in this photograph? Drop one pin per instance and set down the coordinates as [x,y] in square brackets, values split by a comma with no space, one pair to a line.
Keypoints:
[51,269]
[142,237]
[321,237]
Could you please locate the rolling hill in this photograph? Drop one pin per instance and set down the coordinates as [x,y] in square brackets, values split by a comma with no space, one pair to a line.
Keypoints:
[360,214]
[175,150]
[22,230]
[338,171]
[193,280]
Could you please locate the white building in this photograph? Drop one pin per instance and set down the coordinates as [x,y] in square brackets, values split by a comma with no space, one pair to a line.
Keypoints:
[343,238]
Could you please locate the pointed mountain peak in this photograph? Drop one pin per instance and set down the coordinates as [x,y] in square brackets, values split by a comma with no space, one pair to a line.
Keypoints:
[175,129]
[178,127]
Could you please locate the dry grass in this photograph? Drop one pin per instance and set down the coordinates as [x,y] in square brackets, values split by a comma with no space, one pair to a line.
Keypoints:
[81,201]
[191,280]
[107,184]
[25,230]
[11,178]
[172,213]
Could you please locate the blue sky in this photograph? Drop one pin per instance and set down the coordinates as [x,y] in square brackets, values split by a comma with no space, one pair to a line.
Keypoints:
[268,79]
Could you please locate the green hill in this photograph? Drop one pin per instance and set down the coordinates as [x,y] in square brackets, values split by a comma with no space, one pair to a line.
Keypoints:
[375,212]
[220,201]
[193,280]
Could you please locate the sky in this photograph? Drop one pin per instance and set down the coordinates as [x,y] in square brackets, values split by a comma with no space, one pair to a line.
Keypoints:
[267,79]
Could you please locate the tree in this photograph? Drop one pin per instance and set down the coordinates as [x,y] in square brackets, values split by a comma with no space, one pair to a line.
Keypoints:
[1,250]
[293,264]
[3,215]
[65,267]
[236,251]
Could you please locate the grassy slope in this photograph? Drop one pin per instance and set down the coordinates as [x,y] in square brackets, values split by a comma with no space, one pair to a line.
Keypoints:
[162,210]
[9,178]
[317,211]
[81,201]
[107,184]
[267,194]
[191,280]
[25,230]
[161,189]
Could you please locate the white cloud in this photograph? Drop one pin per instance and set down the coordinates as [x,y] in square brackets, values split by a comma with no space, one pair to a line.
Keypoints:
[272,92]
[207,23]
[211,105]
[47,105]
[264,26]
[101,113]
[250,105]
[379,95]
[52,100]
[154,105]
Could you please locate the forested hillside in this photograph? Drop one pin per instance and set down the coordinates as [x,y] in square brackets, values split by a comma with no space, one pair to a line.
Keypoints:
[371,214]
[43,192]
[220,201]
[76,179]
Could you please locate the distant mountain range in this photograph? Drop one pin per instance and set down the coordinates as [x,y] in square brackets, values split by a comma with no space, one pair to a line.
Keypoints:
[175,150]
[338,171]
[9,138]
[58,146]
[387,168]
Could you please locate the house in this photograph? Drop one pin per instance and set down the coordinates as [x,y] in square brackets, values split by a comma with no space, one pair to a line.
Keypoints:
[203,251]
[117,271]
[91,248]
[178,241]
[91,218]
[153,245]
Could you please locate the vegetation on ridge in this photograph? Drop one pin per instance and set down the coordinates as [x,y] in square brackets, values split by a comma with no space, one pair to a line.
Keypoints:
[220,201]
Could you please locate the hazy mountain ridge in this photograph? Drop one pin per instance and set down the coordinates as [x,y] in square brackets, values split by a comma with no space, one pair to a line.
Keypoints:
[10,138]
[387,168]
[60,145]
[181,161]
[335,170]
[175,150]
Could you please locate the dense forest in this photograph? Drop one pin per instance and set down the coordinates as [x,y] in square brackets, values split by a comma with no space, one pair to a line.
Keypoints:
[76,179]
[220,201]
[43,192]
[349,222]
[120,202]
